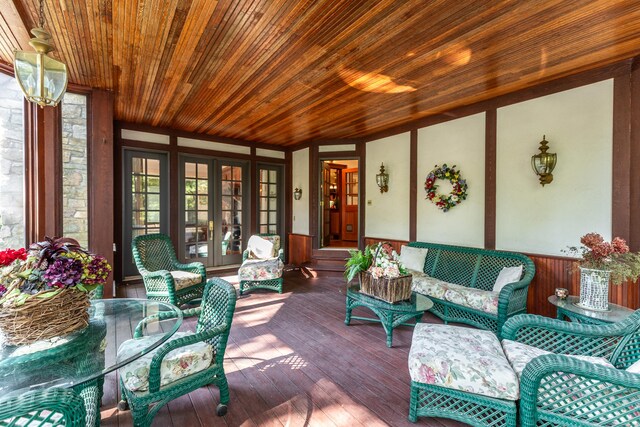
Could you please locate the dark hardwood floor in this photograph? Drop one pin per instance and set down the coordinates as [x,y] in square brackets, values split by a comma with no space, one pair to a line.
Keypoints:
[291,361]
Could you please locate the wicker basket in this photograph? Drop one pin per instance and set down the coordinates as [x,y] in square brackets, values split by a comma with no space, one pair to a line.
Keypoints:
[43,318]
[391,290]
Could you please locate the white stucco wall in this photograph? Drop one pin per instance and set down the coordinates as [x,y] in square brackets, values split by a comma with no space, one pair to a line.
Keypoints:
[578,125]
[388,214]
[300,208]
[458,142]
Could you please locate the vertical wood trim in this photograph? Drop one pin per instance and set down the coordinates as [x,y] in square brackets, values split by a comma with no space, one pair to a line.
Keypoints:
[634,185]
[101,185]
[52,180]
[174,188]
[288,199]
[621,200]
[118,203]
[313,195]
[413,185]
[361,150]
[490,179]
[34,212]
[255,197]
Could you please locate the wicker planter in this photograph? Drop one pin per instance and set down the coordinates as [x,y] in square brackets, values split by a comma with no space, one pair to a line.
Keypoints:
[387,289]
[594,289]
[43,318]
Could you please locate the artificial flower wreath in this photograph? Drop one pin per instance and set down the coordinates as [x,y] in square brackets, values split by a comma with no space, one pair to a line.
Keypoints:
[457,194]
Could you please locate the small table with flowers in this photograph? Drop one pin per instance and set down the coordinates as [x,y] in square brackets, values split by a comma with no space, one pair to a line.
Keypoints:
[81,359]
[390,315]
[567,309]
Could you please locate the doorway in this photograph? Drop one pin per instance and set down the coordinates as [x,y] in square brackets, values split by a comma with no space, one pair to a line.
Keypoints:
[339,201]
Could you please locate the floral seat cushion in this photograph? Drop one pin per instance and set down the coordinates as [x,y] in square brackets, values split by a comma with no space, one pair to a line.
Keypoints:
[464,359]
[478,299]
[519,354]
[177,364]
[260,269]
[184,279]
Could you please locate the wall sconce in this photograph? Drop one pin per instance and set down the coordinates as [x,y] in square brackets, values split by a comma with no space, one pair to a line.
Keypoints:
[297,193]
[382,179]
[543,163]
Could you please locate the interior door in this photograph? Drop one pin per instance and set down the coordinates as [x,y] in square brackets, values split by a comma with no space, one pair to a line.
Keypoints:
[350,204]
[326,208]
[233,212]
[196,205]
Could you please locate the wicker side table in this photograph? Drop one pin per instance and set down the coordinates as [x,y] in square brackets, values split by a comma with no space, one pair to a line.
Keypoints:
[567,309]
[390,315]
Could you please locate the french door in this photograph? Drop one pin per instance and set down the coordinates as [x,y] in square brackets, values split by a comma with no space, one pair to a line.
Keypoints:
[213,205]
[146,200]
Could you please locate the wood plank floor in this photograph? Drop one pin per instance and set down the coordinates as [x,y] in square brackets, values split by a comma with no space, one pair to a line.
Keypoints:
[291,361]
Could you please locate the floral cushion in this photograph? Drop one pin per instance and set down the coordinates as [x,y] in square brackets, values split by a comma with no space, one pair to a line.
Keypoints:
[465,359]
[184,279]
[478,299]
[520,354]
[177,364]
[258,269]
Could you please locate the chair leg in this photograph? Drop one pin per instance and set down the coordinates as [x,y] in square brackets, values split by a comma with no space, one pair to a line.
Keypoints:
[221,409]
[241,287]
[413,405]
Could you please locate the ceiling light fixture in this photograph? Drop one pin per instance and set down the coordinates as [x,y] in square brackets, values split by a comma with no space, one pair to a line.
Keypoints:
[42,79]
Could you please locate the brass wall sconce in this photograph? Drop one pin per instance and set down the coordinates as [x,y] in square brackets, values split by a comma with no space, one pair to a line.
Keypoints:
[543,163]
[297,193]
[382,179]
[42,79]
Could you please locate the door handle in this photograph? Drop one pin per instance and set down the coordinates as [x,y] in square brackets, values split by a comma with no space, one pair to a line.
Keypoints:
[211,230]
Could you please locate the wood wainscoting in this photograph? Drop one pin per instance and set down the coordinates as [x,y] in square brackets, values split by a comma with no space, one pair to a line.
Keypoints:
[556,272]
[300,249]
[397,244]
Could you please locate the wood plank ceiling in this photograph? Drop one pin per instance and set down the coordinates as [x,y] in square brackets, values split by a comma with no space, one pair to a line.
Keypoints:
[289,71]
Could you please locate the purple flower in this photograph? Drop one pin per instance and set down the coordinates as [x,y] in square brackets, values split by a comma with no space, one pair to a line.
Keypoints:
[64,273]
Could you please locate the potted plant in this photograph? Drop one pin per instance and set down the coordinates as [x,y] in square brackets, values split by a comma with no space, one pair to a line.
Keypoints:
[601,262]
[44,291]
[380,272]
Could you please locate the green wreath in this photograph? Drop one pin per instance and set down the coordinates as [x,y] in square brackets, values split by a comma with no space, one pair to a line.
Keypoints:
[455,197]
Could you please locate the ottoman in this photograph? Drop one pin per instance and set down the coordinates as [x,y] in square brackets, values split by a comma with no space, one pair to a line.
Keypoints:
[462,374]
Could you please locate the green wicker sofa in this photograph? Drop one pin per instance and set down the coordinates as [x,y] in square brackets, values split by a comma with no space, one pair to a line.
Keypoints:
[474,269]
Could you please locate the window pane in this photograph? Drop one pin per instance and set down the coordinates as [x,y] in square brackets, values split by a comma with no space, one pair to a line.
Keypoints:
[75,202]
[189,170]
[153,167]
[203,171]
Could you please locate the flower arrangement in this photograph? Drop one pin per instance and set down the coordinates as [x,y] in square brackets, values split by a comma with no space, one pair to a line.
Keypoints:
[457,194]
[47,268]
[597,254]
[381,261]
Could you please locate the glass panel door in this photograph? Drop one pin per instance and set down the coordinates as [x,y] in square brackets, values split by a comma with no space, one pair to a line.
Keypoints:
[197,222]
[146,200]
[233,215]
[269,204]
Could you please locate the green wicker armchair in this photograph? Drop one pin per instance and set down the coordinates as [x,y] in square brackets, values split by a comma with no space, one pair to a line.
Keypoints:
[262,272]
[165,279]
[556,389]
[214,322]
[52,407]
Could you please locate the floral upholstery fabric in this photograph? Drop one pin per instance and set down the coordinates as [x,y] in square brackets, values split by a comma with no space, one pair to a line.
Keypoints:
[177,364]
[258,269]
[465,359]
[478,299]
[520,354]
[184,279]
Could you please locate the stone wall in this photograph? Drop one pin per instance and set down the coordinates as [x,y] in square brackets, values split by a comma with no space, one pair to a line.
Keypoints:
[75,222]
[12,233]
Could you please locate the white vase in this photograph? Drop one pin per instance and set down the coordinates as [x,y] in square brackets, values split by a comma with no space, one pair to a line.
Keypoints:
[594,289]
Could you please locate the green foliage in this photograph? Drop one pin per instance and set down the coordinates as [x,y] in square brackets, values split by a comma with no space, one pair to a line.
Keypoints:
[357,262]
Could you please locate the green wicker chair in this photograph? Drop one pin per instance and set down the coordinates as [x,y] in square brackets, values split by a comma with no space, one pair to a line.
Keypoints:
[214,322]
[556,389]
[262,273]
[157,263]
[52,407]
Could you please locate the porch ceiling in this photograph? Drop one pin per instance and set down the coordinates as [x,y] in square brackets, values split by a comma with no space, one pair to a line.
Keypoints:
[289,71]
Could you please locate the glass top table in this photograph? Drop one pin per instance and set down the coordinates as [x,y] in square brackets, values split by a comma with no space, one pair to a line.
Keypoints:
[390,315]
[90,353]
[567,308]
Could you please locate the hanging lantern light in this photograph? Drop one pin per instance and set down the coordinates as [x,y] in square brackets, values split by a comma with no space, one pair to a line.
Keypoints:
[543,163]
[43,80]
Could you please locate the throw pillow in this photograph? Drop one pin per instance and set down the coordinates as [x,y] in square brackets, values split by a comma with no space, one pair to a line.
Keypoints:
[413,258]
[635,368]
[259,248]
[507,275]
